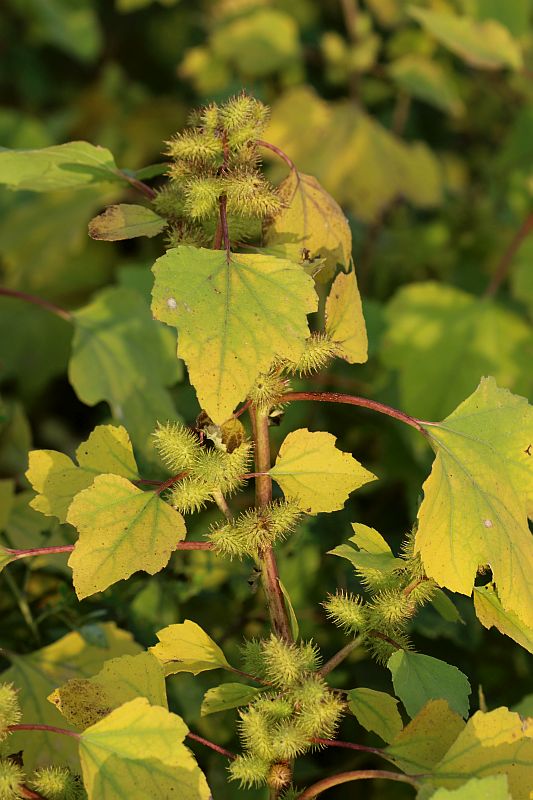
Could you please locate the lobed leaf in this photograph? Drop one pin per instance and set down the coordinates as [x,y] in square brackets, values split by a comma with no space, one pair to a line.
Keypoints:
[121,530]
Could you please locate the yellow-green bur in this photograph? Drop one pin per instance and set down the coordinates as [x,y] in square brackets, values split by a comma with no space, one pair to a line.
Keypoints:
[232,318]
[84,701]
[121,530]
[345,323]
[37,674]
[477,498]
[138,752]
[57,479]
[311,470]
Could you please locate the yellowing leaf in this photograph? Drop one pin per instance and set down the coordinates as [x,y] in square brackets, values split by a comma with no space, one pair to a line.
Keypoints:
[474,511]
[138,751]
[498,742]
[187,648]
[487,45]
[418,679]
[310,469]
[345,323]
[119,355]
[490,612]
[59,167]
[427,80]
[311,225]
[121,530]
[376,711]
[226,696]
[37,674]
[370,550]
[5,558]
[57,480]
[126,221]
[458,338]
[85,701]
[494,787]
[233,318]
[424,741]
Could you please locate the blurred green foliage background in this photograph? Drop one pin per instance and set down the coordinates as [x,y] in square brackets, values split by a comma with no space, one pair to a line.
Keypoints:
[418,118]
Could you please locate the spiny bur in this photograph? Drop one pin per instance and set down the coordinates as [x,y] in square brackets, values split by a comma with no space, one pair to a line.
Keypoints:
[256,529]
[57,783]
[10,712]
[285,664]
[11,778]
[319,350]
[268,389]
[177,445]
[250,770]
[347,611]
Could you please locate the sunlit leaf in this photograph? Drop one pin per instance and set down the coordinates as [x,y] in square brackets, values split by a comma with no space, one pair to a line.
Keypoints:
[121,530]
[487,44]
[126,221]
[311,224]
[232,318]
[376,711]
[345,323]
[188,648]
[138,751]
[494,787]
[59,167]
[57,479]
[37,674]
[476,500]
[310,469]
[418,678]
[228,695]
[491,613]
[368,550]
[84,701]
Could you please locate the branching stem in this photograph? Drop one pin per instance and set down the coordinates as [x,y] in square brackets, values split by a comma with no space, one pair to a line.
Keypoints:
[335,660]
[357,775]
[38,301]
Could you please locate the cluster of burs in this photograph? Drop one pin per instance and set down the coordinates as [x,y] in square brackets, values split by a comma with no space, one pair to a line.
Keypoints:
[217,157]
[51,783]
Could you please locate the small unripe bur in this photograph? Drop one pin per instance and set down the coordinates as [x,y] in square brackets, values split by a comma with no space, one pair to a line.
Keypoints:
[249,770]
[57,783]
[319,350]
[177,445]
[268,390]
[346,611]
[11,777]
[9,709]
[189,496]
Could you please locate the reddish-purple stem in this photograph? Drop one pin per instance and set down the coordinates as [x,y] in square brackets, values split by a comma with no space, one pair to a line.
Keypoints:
[37,301]
[349,746]
[171,481]
[42,551]
[141,186]
[359,775]
[212,745]
[242,409]
[48,728]
[336,397]
[284,157]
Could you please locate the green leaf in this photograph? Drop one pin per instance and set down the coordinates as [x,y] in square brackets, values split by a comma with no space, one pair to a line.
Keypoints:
[226,696]
[126,221]
[445,607]
[310,469]
[37,674]
[311,226]
[376,711]
[494,787]
[474,511]
[121,530]
[487,45]
[85,701]
[188,648]
[458,338]
[491,613]
[138,751]
[57,479]
[62,166]
[216,306]
[496,743]
[426,739]
[345,323]
[368,549]
[427,80]
[71,27]
[295,628]
[119,355]
[418,679]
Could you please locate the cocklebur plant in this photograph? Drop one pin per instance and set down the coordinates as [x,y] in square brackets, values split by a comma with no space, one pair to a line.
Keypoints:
[244,335]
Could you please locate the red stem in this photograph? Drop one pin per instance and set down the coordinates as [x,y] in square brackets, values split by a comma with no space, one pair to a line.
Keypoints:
[141,186]
[68,548]
[212,745]
[38,301]
[224,225]
[284,157]
[47,728]
[171,481]
[336,397]
[506,260]
[349,746]
[359,775]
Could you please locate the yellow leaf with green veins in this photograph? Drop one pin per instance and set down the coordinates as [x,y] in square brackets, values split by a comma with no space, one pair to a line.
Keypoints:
[121,530]
[188,648]
[85,701]
[490,612]
[57,479]
[476,500]
[311,225]
[426,739]
[310,469]
[376,711]
[37,674]
[498,742]
[137,752]
[232,318]
[345,323]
